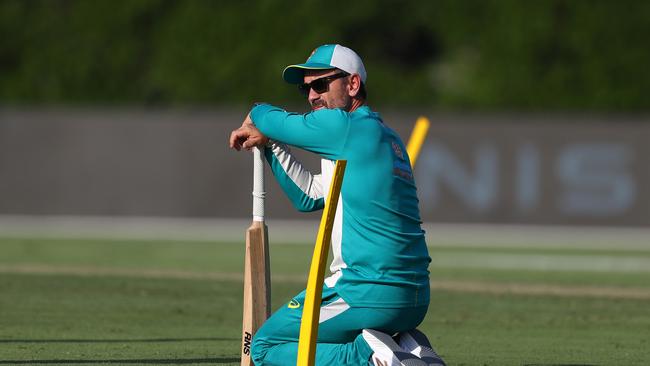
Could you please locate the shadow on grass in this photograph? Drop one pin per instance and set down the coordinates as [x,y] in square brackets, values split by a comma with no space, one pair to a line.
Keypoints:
[146,340]
[180,361]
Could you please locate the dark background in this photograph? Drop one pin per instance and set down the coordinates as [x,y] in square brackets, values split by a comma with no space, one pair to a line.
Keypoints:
[446,54]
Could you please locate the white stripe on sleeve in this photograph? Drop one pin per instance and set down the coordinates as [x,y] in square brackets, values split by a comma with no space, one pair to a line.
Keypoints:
[309,183]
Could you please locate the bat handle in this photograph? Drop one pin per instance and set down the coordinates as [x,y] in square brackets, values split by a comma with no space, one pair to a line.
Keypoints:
[258,185]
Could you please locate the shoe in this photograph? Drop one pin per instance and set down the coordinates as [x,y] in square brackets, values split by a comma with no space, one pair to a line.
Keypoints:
[387,352]
[417,343]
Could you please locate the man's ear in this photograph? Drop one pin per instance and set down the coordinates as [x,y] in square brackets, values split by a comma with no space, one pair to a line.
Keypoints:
[354,85]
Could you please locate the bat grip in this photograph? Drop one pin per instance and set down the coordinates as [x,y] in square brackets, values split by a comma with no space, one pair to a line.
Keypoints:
[258,185]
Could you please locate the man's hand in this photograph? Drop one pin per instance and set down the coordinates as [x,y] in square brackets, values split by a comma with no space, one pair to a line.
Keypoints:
[247,136]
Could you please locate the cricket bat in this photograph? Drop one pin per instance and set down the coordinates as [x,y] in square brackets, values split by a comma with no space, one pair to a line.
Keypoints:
[257,278]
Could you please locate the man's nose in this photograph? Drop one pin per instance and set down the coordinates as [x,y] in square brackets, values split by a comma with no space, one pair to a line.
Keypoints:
[313,95]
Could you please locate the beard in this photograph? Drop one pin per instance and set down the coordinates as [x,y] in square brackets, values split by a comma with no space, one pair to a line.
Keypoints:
[318,104]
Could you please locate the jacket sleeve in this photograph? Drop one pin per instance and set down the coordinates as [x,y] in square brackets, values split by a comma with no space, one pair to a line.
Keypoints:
[304,190]
[323,132]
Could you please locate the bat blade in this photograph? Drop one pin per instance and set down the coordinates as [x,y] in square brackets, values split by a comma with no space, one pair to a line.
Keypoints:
[257,286]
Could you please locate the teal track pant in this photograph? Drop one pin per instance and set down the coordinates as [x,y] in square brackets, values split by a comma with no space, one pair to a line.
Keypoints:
[339,333]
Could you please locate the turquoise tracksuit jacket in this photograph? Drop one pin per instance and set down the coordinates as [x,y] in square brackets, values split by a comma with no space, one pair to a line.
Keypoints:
[380,258]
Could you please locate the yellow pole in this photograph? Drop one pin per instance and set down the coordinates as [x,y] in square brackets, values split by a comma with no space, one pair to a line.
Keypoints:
[417,138]
[311,309]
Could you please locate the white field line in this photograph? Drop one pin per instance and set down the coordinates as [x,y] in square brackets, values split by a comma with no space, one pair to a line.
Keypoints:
[304,232]
[448,285]
[148,228]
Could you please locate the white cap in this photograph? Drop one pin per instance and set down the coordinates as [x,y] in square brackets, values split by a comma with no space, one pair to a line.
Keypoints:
[326,57]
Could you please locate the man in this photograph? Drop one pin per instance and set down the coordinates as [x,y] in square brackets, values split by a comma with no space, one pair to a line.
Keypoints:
[379,285]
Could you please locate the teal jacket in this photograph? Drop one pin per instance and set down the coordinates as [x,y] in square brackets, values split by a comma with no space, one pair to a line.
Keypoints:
[380,258]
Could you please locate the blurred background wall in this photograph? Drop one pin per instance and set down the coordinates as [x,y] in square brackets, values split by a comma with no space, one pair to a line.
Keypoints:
[539,109]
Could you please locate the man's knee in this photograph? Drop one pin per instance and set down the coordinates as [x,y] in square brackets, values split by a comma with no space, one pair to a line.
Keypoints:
[259,348]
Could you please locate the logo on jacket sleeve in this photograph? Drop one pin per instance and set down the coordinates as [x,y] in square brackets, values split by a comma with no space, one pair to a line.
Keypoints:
[293,304]
[397,150]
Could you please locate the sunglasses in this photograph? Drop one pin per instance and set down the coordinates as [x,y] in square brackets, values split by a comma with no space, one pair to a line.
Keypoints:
[320,85]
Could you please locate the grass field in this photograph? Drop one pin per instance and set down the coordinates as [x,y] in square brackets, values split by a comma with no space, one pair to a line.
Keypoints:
[155,302]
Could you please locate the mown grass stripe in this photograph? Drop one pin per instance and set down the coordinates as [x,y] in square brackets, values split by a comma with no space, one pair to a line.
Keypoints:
[542,262]
[448,285]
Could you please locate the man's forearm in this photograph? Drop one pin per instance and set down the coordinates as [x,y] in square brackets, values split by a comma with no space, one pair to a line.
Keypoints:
[304,189]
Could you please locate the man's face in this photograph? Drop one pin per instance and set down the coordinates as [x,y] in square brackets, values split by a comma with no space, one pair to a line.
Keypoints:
[337,95]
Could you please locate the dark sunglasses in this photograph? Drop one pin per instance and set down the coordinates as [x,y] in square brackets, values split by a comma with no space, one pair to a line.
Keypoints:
[320,85]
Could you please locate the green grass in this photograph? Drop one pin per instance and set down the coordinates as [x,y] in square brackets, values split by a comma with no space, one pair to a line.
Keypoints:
[56,310]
